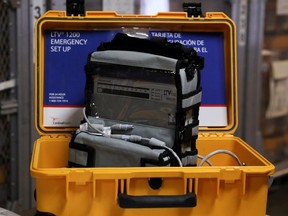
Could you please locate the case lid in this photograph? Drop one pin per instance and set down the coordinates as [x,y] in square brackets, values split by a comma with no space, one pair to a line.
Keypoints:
[62,44]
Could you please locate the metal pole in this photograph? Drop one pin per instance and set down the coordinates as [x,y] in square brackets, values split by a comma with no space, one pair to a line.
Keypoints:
[252,133]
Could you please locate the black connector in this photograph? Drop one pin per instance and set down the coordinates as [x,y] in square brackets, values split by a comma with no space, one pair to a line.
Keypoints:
[75,7]
[192,9]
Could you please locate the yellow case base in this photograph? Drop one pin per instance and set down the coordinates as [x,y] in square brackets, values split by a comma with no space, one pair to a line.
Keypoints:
[223,189]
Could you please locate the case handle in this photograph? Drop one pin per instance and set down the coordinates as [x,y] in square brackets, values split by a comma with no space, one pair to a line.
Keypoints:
[167,201]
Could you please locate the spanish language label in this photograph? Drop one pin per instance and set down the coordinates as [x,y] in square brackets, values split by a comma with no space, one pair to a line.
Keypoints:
[209,45]
[174,37]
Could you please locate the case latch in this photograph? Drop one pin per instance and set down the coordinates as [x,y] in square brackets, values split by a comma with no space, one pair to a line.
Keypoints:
[75,7]
[192,9]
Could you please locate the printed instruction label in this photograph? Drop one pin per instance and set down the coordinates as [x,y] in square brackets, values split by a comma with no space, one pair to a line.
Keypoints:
[58,97]
[209,45]
[66,41]
[65,57]
[197,44]
[66,54]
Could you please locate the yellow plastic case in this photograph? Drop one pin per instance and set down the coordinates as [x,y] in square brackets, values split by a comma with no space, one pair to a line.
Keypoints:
[223,189]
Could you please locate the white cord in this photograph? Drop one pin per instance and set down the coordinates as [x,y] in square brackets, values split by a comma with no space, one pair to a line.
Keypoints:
[155,142]
[91,125]
[219,151]
[133,138]
[175,155]
[207,161]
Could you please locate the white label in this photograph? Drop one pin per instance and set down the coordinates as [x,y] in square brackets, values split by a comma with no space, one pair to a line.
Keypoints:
[282,7]
[213,116]
[38,8]
[242,23]
[62,116]
[278,103]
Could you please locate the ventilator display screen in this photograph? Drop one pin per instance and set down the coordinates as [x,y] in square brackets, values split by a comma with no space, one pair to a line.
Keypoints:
[139,95]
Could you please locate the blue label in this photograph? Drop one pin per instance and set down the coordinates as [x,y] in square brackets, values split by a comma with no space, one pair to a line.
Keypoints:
[66,54]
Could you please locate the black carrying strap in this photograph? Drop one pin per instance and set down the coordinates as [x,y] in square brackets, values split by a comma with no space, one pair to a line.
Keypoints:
[154,46]
[157,46]
[189,97]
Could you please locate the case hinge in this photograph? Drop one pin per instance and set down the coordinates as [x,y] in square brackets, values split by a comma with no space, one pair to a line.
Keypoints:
[75,7]
[192,9]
